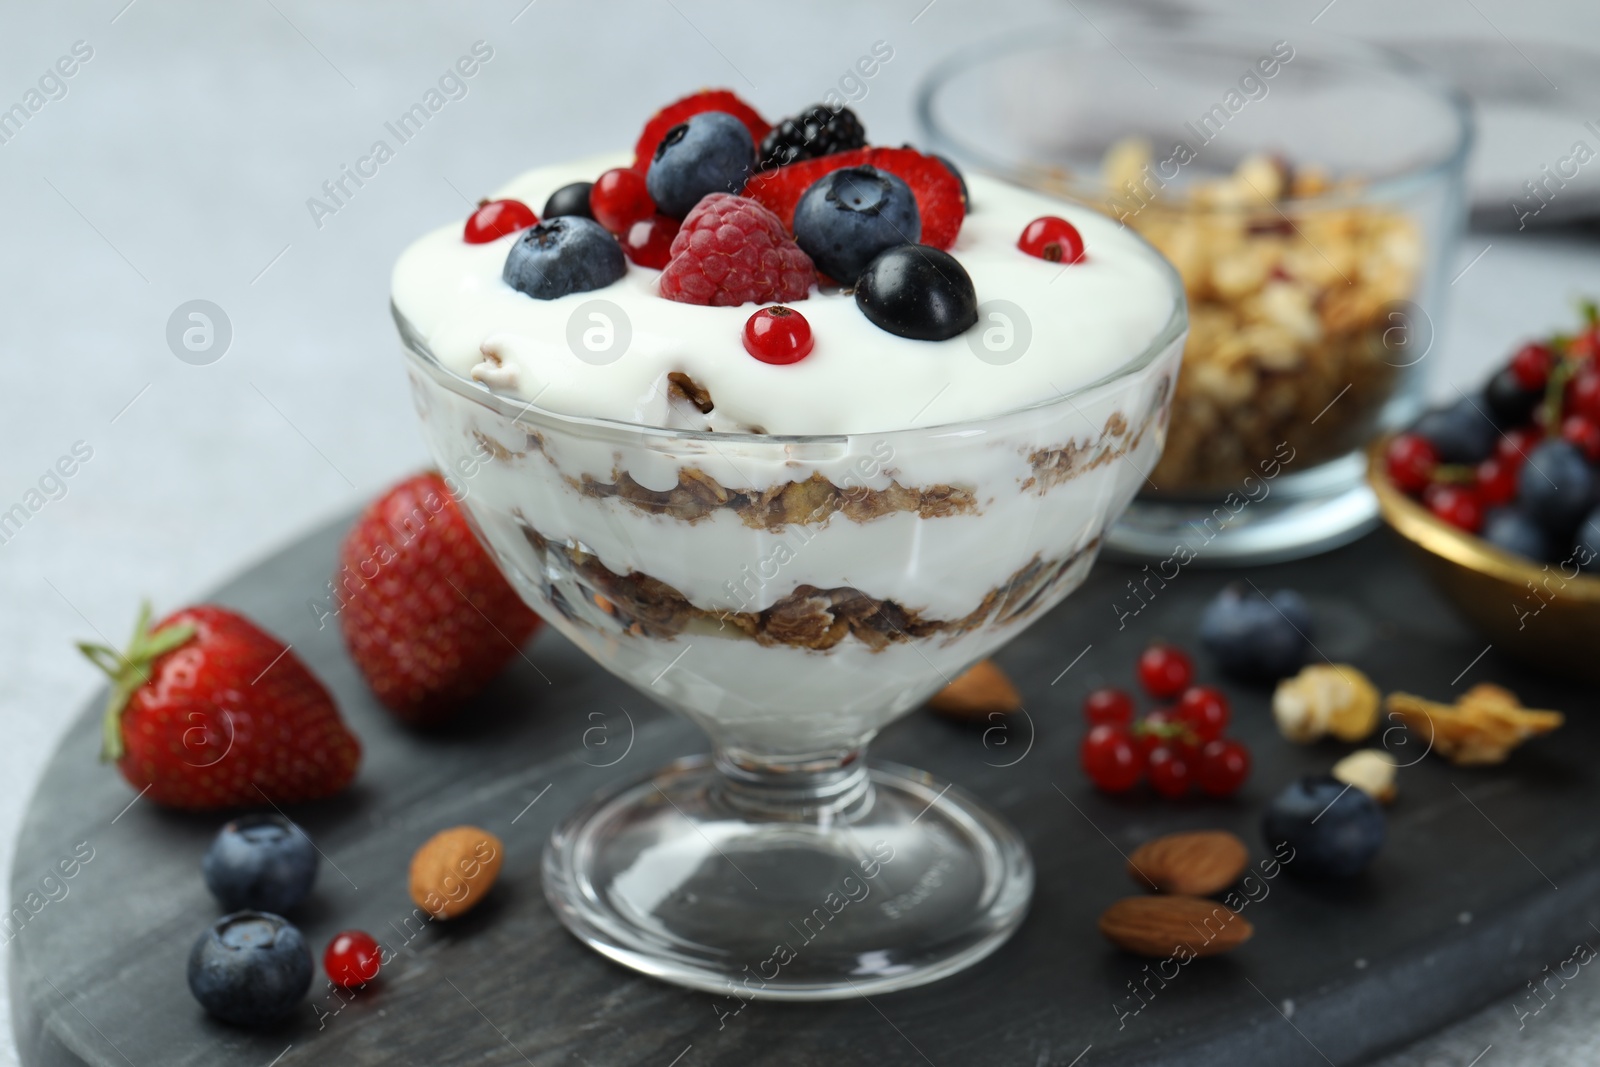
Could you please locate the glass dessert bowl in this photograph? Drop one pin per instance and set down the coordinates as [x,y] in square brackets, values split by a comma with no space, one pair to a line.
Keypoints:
[1314,247]
[790,593]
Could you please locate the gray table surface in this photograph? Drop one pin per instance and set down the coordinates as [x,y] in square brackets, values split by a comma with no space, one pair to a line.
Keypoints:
[177,167]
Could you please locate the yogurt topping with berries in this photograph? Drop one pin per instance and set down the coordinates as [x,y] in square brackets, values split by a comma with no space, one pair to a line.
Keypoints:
[1044,329]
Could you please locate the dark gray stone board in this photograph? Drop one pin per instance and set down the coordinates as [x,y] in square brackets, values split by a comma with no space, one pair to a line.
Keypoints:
[1462,906]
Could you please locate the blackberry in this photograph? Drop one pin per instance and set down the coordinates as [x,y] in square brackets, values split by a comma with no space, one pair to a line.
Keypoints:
[817,131]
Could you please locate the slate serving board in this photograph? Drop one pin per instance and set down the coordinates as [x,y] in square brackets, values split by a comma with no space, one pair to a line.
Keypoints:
[1462,907]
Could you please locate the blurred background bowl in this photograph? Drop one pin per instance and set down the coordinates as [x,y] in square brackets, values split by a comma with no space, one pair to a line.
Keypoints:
[1309,189]
[1541,613]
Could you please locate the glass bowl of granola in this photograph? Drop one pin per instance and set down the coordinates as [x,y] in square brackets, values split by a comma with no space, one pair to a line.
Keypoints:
[1309,191]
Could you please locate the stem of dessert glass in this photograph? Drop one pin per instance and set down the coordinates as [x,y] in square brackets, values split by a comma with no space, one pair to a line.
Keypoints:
[820,788]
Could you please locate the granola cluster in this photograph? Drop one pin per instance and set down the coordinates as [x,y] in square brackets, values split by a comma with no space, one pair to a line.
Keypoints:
[808,617]
[1481,727]
[1289,306]
[698,495]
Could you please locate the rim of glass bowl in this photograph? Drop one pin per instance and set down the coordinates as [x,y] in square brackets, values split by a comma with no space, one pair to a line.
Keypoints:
[1190,31]
[520,411]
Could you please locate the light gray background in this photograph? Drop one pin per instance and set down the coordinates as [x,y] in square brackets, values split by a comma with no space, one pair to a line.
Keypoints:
[178,166]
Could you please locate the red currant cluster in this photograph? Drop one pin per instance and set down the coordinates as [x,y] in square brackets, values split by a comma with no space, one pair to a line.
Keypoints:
[1178,748]
[1465,462]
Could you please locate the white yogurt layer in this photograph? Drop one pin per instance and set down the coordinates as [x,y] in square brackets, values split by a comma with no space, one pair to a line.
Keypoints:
[1083,321]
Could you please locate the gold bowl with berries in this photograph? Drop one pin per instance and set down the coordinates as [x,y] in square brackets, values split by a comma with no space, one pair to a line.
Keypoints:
[1545,614]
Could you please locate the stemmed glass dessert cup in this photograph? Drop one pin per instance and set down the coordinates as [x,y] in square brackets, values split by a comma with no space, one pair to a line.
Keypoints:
[792,595]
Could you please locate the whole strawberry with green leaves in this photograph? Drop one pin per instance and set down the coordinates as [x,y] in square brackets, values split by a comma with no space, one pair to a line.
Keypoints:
[207,710]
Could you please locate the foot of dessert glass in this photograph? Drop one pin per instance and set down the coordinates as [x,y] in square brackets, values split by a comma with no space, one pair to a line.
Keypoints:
[792,595]
[789,880]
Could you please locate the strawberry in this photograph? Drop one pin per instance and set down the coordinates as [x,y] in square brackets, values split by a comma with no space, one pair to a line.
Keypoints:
[938,191]
[429,618]
[208,710]
[685,109]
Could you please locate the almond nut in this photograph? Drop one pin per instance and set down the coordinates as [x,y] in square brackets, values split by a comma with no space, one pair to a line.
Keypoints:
[1178,927]
[453,870]
[981,691]
[1193,864]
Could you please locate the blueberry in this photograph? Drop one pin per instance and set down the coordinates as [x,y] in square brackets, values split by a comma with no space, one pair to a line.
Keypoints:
[1508,403]
[250,968]
[711,153]
[918,291]
[569,200]
[1556,487]
[1252,636]
[1334,829]
[1587,548]
[1510,529]
[260,862]
[566,254]
[1460,433]
[849,216]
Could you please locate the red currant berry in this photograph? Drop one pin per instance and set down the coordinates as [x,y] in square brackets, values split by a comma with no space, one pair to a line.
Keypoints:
[1531,365]
[1053,239]
[1165,671]
[497,218]
[1224,765]
[1583,393]
[1410,459]
[1155,729]
[1583,432]
[1113,706]
[352,959]
[619,199]
[1204,711]
[1456,504]
[649,241]
[1110,759]
[778,335]
[1515,444]
[1169,772]
[1496,481]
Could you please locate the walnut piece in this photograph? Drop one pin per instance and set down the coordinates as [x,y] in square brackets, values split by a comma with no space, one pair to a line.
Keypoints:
[1324,699]
[681,385]
[1370,770]
[1480,728]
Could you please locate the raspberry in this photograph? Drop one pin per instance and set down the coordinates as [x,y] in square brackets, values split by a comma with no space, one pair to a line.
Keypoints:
[685,109]
[937,189]
[733,251]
